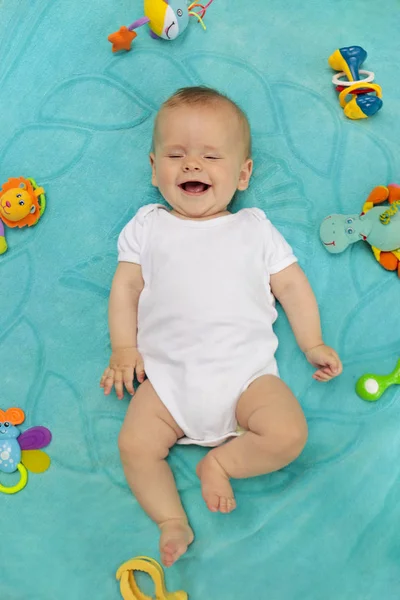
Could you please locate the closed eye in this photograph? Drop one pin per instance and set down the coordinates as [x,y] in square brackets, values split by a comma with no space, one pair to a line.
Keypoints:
[212,157]
[175,156]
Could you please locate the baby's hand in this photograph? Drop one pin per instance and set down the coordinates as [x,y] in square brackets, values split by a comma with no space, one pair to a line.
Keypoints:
[326,360]
[123,364]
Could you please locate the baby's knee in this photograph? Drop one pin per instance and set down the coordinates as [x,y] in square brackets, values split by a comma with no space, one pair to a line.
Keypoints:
[135,448]
[291,439]
[286,441]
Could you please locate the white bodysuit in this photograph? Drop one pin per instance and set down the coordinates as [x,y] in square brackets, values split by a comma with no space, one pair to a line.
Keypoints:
[206,311]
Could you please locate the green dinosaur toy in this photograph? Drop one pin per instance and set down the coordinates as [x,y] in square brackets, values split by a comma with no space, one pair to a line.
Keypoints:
[380,228]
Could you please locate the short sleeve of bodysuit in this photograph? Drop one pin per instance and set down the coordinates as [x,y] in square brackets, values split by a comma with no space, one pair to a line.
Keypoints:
[278,253]
[131,238]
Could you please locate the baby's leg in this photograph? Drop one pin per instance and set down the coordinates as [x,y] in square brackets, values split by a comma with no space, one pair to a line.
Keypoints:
[276,434]
[148,432]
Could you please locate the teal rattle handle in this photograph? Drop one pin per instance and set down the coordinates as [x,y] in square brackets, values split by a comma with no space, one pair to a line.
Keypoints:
[370,387]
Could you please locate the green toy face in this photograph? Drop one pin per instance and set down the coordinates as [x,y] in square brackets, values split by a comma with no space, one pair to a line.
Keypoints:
[337,232]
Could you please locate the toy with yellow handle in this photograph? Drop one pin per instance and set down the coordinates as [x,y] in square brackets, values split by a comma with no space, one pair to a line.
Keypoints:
[131,591]
[348,61]
[166,19]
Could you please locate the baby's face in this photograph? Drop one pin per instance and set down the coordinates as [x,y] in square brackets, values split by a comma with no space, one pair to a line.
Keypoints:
[199,160]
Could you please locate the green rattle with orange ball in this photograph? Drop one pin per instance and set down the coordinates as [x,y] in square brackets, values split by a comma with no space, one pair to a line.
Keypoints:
[370,387]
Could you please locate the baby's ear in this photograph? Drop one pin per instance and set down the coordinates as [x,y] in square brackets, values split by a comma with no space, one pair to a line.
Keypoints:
[152,158]
[245,174]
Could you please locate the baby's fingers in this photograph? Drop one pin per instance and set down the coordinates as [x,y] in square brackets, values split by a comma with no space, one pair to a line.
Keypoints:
[322,375]
[321,379]
[338,368]
[103,378]
[119,384]
[107,381]
[140,373]
[128,380]
[334,364]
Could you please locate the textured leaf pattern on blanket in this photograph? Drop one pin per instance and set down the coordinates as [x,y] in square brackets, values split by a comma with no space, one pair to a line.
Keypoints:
[80,121]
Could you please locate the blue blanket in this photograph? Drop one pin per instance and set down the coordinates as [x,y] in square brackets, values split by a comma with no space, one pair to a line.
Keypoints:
[79,119]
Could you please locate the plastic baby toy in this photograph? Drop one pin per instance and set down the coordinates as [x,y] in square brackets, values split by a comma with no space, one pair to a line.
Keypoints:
[348,62]
[371,387]
[377,225]
[166,19]
[21,451]
[129,588]
[22,203]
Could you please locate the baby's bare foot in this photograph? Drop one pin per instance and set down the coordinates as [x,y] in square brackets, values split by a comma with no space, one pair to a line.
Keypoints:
[176,536]
[216,489]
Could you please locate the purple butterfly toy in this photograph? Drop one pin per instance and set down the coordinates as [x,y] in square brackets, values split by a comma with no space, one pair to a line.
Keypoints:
[21,451]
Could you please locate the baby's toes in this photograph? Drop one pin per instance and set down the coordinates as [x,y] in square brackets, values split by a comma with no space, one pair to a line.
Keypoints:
[169,555]
[223,504]
[226,505]
[216,488]
[231,504]
[176,536]
[213,502]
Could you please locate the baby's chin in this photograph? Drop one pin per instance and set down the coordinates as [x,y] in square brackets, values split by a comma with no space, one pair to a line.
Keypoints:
[197,212]
[198,207]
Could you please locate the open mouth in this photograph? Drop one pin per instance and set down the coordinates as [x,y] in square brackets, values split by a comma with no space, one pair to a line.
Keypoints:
[195,188]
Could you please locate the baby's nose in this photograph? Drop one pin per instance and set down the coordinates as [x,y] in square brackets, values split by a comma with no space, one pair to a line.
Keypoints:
[191,166]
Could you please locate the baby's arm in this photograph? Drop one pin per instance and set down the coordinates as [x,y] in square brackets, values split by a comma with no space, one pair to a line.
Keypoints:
[292,289]
[122,317]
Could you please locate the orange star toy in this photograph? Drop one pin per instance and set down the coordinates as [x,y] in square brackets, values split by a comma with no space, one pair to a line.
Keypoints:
[122,39]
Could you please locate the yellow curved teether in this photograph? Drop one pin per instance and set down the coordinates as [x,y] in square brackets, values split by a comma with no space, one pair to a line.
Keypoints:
[129,588]
[356,86]
[21,483]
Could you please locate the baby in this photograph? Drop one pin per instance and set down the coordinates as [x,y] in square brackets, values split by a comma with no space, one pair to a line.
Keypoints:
[192,305]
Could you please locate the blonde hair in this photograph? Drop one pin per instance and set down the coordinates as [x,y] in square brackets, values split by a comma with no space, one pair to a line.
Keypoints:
[205,96]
